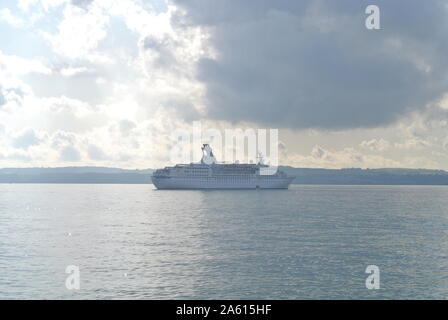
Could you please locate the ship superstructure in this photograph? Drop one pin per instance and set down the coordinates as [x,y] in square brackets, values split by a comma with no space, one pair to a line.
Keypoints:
[209,174]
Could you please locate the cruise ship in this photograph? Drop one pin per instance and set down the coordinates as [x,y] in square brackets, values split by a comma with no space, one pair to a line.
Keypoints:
[209,174]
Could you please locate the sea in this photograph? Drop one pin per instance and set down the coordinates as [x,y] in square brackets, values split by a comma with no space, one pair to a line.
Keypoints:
[131,241]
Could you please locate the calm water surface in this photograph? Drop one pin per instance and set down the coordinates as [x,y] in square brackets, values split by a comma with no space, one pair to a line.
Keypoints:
[131,241]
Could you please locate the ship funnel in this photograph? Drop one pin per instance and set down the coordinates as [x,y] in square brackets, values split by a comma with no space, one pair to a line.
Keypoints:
[207,154]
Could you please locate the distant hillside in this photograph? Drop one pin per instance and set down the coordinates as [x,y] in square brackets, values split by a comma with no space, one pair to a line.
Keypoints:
[74,175]
[391,176]
[387,176]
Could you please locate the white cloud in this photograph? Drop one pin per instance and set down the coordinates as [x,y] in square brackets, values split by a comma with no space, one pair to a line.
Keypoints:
[70,72]
[14,66]
[335,159]
[26,138]
[13,89]
[413,143]
[8,17]
[70,154]
[139,20]
[375,144]
[50,4]
[96,153]
[79,33]
[24,5]
[443,102]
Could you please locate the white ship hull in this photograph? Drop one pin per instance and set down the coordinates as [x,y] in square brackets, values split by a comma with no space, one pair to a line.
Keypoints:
[208,174]
[259,182]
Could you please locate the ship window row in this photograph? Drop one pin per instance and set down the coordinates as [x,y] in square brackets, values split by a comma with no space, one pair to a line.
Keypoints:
[220,178]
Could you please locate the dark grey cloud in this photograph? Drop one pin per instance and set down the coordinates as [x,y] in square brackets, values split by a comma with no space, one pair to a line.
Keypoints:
[162,48]
[179,106]
[313,64]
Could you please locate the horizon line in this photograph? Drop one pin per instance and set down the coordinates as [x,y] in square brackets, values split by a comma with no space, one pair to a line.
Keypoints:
[148,168]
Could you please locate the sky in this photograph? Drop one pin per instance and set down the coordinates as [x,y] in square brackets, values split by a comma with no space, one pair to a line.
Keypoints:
[106,83]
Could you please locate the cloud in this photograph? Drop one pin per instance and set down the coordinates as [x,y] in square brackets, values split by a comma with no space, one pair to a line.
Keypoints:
[7,16]
[70,154]
[26,139]
[126,126]
[71,72]
[50,4]
[68,114]
[319,153]
[11,65]
[82,3]
[15,156]
[2,97]
[109,81]
[313,64]
[375,144]
[344,158]
[79,33]
[96,153]
[160,52]
[26,4]
[413,143]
